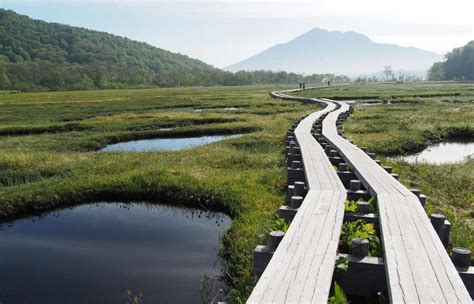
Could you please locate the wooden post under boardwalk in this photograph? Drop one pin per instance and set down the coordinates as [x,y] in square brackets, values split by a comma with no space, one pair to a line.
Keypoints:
[417,267]
[360,247]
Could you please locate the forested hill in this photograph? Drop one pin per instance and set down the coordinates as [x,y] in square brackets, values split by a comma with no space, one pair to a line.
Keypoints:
[55,55]
[459,65]
[37,55]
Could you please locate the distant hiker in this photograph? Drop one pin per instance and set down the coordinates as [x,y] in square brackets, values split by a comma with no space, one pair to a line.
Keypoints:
[300,85]
[329,83]
[303,85]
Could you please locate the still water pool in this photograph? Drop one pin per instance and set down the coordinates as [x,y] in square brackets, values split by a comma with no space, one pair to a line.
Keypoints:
[164,144]
[442,153]
[95,253]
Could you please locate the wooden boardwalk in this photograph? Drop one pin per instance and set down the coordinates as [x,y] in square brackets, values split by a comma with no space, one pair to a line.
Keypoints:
[301,268]
[417,266]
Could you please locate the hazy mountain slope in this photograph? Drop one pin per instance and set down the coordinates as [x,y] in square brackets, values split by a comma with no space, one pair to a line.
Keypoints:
[350,53]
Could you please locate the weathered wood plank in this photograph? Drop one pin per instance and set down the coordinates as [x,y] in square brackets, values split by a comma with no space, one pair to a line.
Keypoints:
[301,268]
[314,157]
[418,267]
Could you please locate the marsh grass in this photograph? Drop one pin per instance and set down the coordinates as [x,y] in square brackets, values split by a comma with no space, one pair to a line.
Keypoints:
[450,191]
[48,159]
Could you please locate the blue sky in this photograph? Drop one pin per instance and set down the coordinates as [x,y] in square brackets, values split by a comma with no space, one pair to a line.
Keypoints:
[222,32]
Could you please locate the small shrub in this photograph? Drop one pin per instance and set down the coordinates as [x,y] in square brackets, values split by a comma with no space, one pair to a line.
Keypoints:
[350,206]
[373,205]
[278,224]
[363,230]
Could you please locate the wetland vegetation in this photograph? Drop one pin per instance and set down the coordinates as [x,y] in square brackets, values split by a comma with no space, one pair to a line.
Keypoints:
[418,115]
[49,157]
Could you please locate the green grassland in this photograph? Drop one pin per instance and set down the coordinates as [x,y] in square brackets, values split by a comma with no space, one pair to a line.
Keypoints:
[413,116]
[49,158]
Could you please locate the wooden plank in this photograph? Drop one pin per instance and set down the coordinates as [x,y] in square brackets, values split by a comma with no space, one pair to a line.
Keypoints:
[418,267]
[301,268]
[314,157]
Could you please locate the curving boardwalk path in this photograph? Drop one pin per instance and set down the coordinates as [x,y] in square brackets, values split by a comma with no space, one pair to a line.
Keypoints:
[300,270]
[418,267]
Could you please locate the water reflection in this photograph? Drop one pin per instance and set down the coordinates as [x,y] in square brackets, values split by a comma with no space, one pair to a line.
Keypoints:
[442,153]
[95,253]
[164,144]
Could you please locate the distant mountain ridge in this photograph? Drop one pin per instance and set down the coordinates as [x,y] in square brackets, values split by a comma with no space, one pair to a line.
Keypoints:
[349,53]
[40,56]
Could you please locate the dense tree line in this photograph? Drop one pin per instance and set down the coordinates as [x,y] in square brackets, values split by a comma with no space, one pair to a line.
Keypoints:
[36,55]
[459,65]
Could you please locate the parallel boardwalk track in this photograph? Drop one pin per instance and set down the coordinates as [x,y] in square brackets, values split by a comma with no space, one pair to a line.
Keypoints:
[300,271]
[417,266]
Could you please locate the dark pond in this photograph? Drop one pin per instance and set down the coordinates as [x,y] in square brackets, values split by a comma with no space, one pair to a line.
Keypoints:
[442,153]
[164,144]
[95,253]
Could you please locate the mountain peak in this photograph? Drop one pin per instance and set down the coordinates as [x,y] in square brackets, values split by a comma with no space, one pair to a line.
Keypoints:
[325,36]
[350,53]
[321,31]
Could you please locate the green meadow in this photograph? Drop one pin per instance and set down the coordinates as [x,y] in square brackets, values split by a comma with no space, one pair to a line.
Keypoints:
[49,158]
[412,117]
[49,155]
